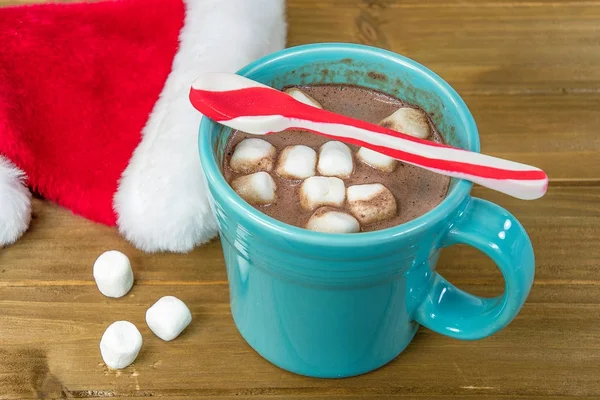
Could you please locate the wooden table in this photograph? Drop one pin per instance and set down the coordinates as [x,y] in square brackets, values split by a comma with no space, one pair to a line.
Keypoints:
[529,72]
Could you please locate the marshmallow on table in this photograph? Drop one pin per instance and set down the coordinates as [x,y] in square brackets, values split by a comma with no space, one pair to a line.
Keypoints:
[376,160]
[120,344]
[371,203]
[331,221]
[303,97]
[112,273]
[168,317]
[408,120]
[297,162]
[252,155]
[335,159]
[257,188]
[319,191]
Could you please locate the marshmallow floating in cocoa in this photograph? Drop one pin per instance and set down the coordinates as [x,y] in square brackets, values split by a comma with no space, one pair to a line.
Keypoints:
[252,155]
[376,160]
[335,159]
[120,344]
[328,220]
[258,188]
[112,273]
[319,191]
[168,317]
[303,97]
[297,162]
[371,203]
[411,121]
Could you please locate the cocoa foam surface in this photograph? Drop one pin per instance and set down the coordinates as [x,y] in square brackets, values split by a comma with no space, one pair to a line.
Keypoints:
[416,190]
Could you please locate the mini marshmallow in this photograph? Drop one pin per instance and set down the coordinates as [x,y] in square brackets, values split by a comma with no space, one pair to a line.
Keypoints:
[120,344]
[371,203]
[408,120]
[335,159]
[252,155]
[168,317]
[297,162]
[112,273]
[376,160]
[257,188]
[303,97]
[331,221]
[319,191]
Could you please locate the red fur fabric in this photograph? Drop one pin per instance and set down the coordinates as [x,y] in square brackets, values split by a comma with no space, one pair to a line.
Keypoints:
[77,83]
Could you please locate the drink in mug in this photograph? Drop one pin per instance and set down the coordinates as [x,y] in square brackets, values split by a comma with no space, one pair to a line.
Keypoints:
[310,181]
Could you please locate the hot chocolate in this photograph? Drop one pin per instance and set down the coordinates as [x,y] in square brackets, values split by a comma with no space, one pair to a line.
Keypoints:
[310,181]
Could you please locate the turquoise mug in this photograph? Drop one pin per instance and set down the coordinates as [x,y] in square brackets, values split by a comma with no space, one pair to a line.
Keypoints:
[335,305]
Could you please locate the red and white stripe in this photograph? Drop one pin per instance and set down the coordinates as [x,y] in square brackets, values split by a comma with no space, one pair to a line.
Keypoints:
[240,103]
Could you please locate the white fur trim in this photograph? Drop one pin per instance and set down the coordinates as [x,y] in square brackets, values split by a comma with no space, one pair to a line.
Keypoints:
[161,202]
[15,203]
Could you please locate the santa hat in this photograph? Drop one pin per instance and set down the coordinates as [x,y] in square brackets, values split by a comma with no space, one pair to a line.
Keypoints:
[94,109]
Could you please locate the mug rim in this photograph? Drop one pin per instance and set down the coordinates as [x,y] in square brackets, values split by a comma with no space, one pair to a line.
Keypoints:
[250,214]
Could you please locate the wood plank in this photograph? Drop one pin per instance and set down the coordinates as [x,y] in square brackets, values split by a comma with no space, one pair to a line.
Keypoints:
[60,249]
[498,46]
[555,132]
[83,394]
[55,332]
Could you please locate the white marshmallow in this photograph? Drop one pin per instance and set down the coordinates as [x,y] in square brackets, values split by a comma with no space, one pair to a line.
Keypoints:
[303,97]
[371,203]
[168,317]
[408,120]
[297,162]
[112,273]
[376,160]
[120,344]
[319,191]
[335,159]
[257,188]
[252,155]
[330,221]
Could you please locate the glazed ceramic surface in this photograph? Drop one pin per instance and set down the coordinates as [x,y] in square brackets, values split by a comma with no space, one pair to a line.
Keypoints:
[334,305]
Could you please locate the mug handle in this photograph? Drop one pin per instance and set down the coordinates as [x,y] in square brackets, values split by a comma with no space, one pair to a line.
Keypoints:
[451,311]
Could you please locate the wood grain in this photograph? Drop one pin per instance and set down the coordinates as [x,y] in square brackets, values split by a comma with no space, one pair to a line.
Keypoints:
[526,69]
[52,317]
[536,355]
[566,215]
[493,46]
